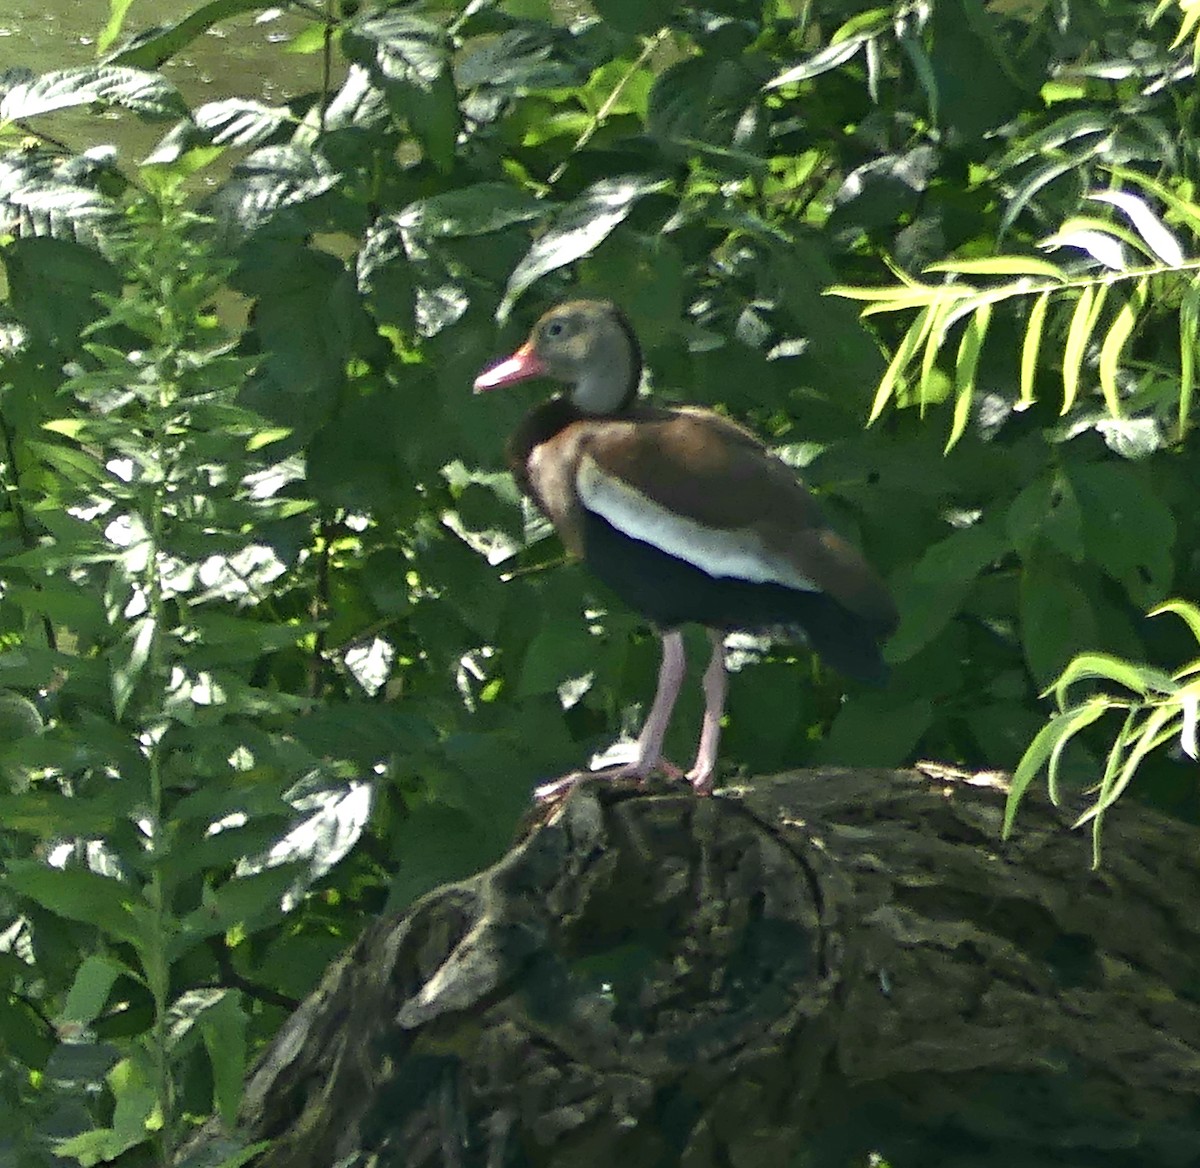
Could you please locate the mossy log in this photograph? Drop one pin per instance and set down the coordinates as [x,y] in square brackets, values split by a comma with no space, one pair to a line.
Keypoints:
[810,970]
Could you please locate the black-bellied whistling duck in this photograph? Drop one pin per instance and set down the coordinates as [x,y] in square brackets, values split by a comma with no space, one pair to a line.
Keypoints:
[685,516]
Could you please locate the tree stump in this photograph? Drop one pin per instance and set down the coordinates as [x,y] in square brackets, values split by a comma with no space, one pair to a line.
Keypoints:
[806,971]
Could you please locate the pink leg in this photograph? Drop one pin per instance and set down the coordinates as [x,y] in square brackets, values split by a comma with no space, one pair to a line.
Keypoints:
[670,678]
[654,730]
[715,684]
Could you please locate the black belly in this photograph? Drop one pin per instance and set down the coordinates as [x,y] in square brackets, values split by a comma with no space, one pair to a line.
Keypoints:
[671,592]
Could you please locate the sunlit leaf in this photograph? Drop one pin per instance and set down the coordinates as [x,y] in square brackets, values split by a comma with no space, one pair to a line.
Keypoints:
[1139,679]
[1189,731]
[1076,720]
[129,660]
[1189,330]
[1006,265]
[1031,345]
[1162,244]
[1102,246]
[1157,728]
[1188,613]
[1114,342]
[966,365]
[830,57]
[1078,335]
[576,230]
[1059,729]
[148,94]
[907,349]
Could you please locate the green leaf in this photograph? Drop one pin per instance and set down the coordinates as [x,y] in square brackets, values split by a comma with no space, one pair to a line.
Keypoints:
[238,122]
[1056,618]
[831,57]
[1189,329]
[1078,719]
[1158,728]
[1114,343]
[409,59]
[223,1026]
[148,94]
[928,389]
[1047,743]
[917,333]
[1141,679]
[1003,265]
[1160,242]
[155,48]
[1031,345]
[1046,511]
[1078,334]
[1128,531]
[478,209]
[577,229]
[965,368]
[94,980]
[1189,613]
[53,285]
[876,730]
[634,17]
[116,18]
[112,906]
[128,659]
[932,593]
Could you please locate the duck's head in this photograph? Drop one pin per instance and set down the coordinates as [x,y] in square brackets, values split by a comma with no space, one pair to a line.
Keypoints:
[586,344]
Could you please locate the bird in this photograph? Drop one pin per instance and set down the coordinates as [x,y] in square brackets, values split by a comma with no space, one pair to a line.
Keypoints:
[686,516]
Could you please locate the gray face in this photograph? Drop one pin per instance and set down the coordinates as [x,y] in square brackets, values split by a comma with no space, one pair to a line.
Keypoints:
[566,341]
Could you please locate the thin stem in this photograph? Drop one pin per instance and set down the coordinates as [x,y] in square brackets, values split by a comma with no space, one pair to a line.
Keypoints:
[609,102]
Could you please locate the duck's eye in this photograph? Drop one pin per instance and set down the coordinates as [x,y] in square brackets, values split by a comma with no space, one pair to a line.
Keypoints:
[555,328]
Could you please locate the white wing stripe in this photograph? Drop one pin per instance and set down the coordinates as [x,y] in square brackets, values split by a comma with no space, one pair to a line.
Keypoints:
[738,554]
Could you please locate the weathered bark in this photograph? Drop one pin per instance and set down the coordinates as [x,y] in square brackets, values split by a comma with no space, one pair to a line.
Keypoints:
[818,966]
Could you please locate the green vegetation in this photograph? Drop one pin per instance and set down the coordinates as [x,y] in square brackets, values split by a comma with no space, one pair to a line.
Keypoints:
[280,649]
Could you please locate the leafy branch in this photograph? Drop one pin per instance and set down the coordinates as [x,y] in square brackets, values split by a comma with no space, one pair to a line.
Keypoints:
[1035,286]
[1163,708]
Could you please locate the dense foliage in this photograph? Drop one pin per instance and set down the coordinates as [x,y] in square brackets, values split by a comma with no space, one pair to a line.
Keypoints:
[279,646]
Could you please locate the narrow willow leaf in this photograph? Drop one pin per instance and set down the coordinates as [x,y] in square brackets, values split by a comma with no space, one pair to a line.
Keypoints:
[1188,212]
[830,57]
[923,67]
[1102,246]
[1159,728]
[888,299]
[1030,187]
[1077,339]
[1162,244]
[1187,25]
[936,334]
[1035,757]
[1189,613]
[1095,813]
[1114,343]
[1031,345]
[1006,265]
[913,339]
[1189,320]
[1141,679]
[965,368]
[1083,123]
[1077,719]
[1189,703]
